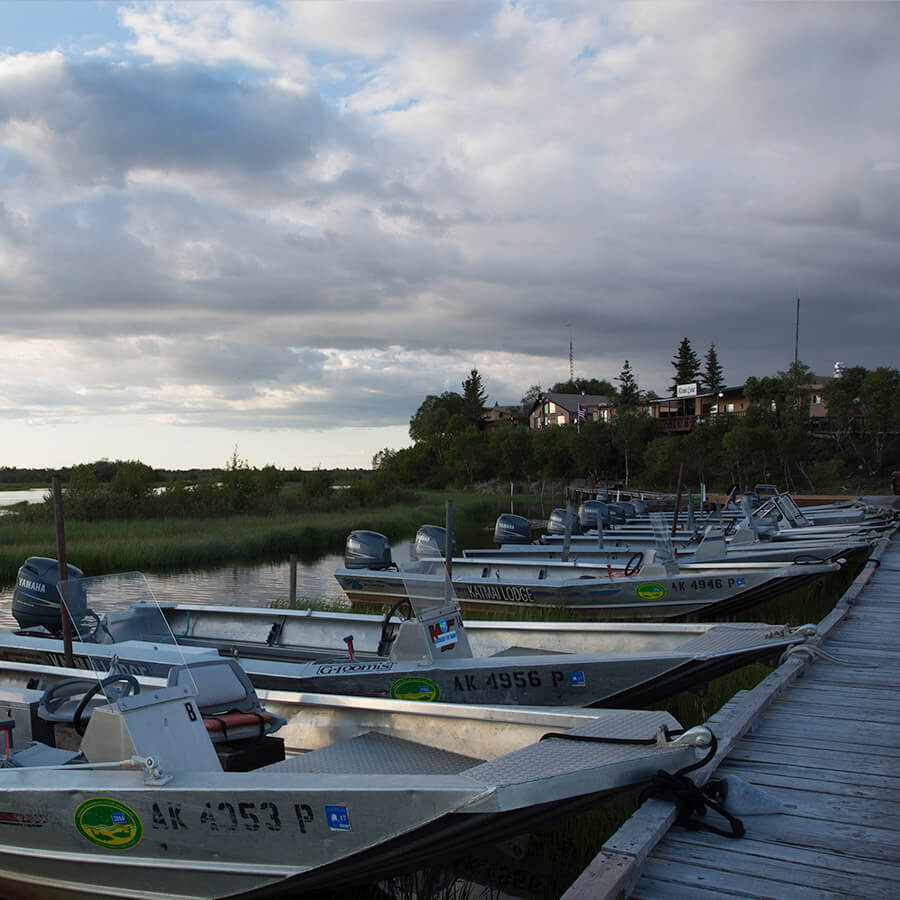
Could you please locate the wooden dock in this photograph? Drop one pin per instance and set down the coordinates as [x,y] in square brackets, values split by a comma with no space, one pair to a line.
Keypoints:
[823,748]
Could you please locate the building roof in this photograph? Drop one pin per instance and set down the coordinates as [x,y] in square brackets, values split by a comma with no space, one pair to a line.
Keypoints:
[571,402]
[513,410]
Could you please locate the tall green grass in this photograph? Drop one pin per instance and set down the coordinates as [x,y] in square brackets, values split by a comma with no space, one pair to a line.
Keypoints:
[166,545]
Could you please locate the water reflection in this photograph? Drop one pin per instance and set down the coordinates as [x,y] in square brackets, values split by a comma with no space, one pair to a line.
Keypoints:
[28,495]
[265,584]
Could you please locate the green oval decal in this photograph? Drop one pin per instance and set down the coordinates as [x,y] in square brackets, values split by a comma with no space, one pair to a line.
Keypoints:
[650,591]
[108,823]
[414,688]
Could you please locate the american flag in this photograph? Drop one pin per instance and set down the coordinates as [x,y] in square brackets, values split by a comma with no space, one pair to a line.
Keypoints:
[581,413]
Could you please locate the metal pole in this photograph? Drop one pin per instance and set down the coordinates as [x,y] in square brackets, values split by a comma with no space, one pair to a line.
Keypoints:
[568,532]
[448,548]
[63,570]
[293,589]
[677,498]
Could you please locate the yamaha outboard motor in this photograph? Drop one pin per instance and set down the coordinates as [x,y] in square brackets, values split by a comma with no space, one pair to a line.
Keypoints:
[628,508]
[367,550]
[512,529]
[557,522]
[641,507]
[616,514]
[431,541]
[590,511]
[36,600]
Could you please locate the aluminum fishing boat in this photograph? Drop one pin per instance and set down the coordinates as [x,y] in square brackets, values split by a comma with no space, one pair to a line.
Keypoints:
[647,589]
[114,786]
[431,655]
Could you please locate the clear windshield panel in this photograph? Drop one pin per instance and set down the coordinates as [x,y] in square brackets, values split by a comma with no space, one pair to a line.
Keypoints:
[119,632]
[435,605]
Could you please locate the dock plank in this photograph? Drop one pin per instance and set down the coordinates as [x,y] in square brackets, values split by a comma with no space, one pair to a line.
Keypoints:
[822,737]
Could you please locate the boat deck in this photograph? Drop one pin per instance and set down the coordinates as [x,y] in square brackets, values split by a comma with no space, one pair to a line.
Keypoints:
[823,749]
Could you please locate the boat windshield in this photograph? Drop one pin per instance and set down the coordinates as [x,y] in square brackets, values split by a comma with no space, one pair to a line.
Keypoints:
[121,630]
[434,602]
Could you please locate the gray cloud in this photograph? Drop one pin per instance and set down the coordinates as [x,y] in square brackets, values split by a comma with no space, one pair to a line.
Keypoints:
[284,209]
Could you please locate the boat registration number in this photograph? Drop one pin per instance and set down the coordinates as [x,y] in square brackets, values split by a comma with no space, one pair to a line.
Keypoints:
[232,816]
[705,584]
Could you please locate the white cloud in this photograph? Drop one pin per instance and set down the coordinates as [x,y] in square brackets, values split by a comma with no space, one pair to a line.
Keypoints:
[254,215]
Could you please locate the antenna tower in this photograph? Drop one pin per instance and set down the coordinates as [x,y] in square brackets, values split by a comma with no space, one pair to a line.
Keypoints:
[571,356]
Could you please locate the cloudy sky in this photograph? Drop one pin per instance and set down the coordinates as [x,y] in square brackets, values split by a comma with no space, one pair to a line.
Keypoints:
[281,225]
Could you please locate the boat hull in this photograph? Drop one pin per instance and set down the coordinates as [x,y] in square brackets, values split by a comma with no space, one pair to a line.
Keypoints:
[651,597]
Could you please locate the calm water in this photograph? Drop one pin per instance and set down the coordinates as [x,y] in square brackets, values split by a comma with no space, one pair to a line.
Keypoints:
[259,585]
[31,495]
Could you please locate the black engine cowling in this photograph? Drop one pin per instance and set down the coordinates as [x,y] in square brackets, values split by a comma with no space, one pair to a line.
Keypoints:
[592,510]
[367,550]
[431,541]
[36,600]
[512,529]
[556,524]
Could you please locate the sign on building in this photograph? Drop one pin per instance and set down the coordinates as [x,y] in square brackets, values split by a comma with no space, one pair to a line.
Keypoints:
[686,390]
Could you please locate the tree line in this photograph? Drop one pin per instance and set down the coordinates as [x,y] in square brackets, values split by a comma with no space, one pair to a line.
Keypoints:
[773,441]
[451,447]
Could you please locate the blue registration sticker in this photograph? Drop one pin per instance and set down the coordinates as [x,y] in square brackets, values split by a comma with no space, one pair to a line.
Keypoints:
[338,818]
[740,582]
[576,679]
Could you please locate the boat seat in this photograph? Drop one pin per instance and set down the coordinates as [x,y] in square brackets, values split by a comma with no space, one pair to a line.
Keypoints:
[226,699]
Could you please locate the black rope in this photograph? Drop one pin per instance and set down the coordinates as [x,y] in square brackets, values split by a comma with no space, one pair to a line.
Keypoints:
[221,723]
[592,739]
[692,801]
[875,562]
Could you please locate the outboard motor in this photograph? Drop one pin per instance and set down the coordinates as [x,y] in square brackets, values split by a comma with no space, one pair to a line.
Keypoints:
[512,529]
[367,550]
[628,508]
[641,507]
[431,541]
[616,514]
[556,524]
[36,599]
[590,511]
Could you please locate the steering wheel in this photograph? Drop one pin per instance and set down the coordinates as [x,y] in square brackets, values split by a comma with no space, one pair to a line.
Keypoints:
[634,563]
[54,698]
[384,644]
[131,686]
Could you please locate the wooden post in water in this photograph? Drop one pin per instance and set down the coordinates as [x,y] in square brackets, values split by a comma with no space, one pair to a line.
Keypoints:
[567,534]
[63,570]
[677,499]
[448,549]
[293,589]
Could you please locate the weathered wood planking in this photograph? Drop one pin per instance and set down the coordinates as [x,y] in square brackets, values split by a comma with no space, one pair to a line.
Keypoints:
[826,745]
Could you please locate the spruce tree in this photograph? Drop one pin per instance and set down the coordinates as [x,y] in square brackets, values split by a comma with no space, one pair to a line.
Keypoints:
[687,365]
[474,398]
[713,379]
[629,392]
